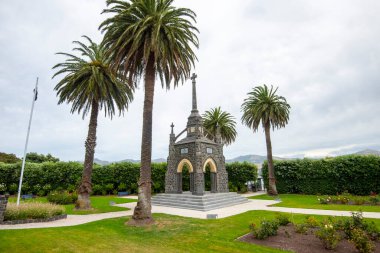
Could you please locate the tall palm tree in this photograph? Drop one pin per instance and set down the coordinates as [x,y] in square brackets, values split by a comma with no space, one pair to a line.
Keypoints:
[149,38]
[90,84]
[264,106]
[215,118]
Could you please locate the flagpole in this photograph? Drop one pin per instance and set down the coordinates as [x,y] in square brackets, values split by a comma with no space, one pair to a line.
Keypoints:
[35,92]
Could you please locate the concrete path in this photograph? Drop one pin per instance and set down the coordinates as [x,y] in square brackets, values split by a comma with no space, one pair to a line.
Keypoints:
[252,204]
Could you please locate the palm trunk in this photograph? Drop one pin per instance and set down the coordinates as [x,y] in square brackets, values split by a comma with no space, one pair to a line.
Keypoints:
[85,188]
[272,190]
[142,214]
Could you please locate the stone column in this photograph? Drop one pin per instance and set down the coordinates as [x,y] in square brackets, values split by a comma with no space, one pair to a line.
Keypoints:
[199,183]
[213,179]
[3,206]
[179,182]
[192,182]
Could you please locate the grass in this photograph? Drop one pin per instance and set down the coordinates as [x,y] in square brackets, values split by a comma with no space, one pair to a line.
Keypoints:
[169,234]
[311,202]
[100,204]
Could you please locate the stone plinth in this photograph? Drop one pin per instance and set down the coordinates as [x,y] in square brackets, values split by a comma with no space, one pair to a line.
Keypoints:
[206,202]
[3,206]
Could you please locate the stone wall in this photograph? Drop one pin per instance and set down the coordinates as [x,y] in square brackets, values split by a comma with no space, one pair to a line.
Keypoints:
[3,206]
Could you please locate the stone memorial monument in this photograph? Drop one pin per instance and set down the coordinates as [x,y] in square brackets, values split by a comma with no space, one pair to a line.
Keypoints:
[197,152]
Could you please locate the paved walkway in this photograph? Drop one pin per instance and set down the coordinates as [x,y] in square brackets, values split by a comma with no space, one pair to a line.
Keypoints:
[252,204]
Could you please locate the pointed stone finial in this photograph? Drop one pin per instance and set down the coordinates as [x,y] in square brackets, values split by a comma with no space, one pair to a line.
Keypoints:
[172,126]
[193,77]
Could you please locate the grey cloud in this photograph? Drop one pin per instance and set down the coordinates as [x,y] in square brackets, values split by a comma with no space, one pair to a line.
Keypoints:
[323,55]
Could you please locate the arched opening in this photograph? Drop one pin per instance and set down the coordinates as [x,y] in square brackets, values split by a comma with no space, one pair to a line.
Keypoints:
[210,178]
[185,176]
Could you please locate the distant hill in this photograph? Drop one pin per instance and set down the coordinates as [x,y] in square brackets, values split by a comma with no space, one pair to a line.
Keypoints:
[102,162]
[368,152]
[258,159]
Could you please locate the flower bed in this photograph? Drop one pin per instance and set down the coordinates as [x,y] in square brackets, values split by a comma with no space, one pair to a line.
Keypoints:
[33,212]
[15,222]
[338,234]
[348,199]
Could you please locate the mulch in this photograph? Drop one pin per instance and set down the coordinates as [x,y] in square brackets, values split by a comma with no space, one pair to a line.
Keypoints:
[300,243]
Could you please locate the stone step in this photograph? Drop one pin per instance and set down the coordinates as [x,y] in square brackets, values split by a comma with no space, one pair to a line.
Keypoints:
[198,203]
[196,197]
[191,200]
[206,202]
[200,207]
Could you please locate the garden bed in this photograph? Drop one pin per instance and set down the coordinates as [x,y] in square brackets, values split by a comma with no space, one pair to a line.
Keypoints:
[288,239]
[15,222]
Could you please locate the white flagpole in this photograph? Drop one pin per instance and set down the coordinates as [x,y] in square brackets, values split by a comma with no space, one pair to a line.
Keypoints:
[35,92]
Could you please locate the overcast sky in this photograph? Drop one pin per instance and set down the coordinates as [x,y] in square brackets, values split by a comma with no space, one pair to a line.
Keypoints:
[323,55]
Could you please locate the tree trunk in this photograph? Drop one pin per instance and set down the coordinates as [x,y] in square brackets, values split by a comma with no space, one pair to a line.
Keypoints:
[142,214]
[85,187]
[272,190]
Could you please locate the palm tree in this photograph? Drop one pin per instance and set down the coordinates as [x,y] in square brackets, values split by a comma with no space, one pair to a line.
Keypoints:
[264,106]
[215,118]
[90,84]
[149,38]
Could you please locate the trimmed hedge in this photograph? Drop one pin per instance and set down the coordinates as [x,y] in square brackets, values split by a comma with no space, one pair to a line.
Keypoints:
[359,175]
[239,173]
[42,178]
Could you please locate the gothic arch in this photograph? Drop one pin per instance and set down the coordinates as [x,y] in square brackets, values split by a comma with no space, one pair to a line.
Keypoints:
[182,163]
[212,164]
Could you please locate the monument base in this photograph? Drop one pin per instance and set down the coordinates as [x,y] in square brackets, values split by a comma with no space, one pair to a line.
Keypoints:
[206,202]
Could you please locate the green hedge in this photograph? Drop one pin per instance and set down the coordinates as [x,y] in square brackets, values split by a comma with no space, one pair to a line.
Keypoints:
[42,178]
[356,174]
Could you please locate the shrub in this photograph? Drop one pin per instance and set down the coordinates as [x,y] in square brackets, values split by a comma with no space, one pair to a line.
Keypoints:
[328,235]
[109,188]
[96,189]
[374,200]
[62,198]
[243,189]
[361,241]
[283,219]
[372,230]
[311,222]
[3,188]
[12,188]
[8,158]
[267,228]
[339,224]
[324,200]
[122,187]
[358,200]
[356,174]
[32,210]
[301,228]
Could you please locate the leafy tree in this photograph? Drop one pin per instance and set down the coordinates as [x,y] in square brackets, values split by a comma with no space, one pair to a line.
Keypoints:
[263,106]
[9,158]
[90,85]
[33,157]
[149,39]
[215,118]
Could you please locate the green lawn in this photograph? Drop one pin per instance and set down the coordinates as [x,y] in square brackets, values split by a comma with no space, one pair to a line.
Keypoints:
[100,204]
[170,234]
[311,202]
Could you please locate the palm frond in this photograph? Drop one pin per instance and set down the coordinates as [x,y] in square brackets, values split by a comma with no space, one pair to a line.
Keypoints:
[89,79]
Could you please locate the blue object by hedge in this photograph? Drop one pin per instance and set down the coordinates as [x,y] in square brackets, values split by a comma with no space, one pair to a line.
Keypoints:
[27,196]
